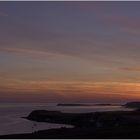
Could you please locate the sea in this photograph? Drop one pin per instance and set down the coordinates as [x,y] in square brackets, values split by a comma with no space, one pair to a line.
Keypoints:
[11,121]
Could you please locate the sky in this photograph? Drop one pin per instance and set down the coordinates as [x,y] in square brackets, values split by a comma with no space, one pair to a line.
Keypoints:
[69,51]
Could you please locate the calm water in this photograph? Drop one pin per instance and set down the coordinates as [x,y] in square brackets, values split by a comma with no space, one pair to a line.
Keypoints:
[12,123]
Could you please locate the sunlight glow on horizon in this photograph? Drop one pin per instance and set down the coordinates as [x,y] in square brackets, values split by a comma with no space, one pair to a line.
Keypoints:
[69,51]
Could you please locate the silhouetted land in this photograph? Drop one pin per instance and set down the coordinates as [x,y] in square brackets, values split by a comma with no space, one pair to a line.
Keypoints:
[113,124]
[83,104]
[132,105]
[81,133]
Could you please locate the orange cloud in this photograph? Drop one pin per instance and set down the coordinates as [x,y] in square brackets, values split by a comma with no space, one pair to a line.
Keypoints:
[80,88]
[70,90]
[133,69]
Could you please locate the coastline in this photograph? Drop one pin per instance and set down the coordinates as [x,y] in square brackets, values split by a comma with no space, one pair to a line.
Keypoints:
[110,128]
[12,122]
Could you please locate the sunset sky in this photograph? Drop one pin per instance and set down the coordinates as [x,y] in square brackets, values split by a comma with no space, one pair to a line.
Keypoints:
[69,51]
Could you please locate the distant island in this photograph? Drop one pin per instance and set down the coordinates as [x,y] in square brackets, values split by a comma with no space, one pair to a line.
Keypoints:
[76,104]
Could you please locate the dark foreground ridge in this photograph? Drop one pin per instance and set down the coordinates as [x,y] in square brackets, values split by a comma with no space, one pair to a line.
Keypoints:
[81,133]
[132,105]
[113,124]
